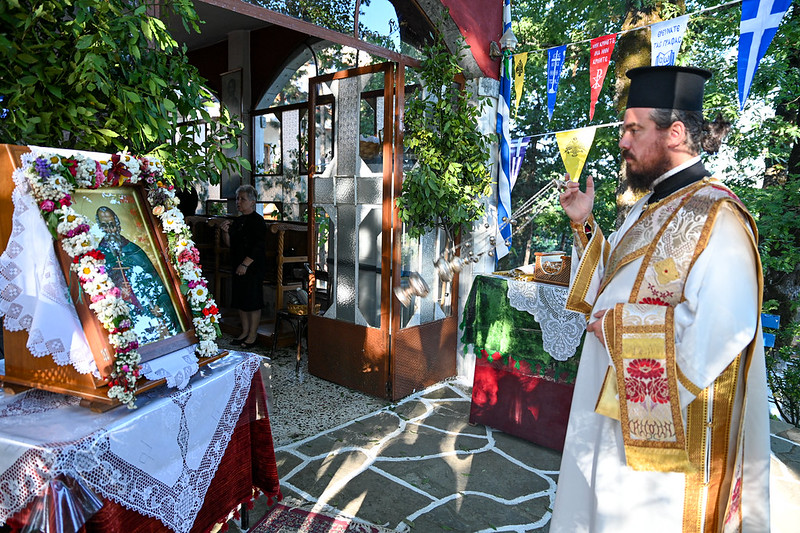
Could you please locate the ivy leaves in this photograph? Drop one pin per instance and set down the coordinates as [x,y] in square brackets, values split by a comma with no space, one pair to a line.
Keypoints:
[445,187]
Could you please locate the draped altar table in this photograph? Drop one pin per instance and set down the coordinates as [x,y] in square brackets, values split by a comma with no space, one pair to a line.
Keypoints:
[526,347]
[181,461]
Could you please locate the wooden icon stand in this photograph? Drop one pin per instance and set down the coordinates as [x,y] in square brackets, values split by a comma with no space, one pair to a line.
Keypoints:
[23,370]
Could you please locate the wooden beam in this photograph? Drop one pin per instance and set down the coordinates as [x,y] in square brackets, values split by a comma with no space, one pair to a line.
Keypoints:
[286,21]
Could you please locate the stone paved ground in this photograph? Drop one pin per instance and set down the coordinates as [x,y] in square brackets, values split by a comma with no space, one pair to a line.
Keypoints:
[418,466]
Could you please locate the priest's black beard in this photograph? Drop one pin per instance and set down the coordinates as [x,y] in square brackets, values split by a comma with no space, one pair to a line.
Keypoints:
[641,182]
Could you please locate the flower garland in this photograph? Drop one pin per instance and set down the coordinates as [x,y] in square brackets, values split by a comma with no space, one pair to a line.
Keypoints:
[53,179]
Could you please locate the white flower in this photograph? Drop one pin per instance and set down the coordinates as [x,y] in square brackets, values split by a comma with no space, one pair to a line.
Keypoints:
[189,271]
[182,244]
[98,287]
[109,308]
[87,262]
[204,327]
[133,166]
[206,348]
[172,221]
[197,295]
[85,171]
[122,339]
[79,244]
[69,219]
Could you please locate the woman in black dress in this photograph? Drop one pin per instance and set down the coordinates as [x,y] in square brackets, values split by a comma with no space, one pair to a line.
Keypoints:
[246,235]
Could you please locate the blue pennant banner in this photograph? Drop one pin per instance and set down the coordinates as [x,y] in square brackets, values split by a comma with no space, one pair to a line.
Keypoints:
[555,61]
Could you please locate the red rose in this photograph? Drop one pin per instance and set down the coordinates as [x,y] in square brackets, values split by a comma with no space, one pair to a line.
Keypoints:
[659,390]
[635,390]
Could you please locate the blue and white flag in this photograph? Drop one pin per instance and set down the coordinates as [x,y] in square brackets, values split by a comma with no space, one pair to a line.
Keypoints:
[760,21]
[665,40]
[504,173]
[555,60]
[518,147]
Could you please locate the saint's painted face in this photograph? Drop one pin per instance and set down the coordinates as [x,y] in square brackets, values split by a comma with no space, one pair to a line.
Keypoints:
[644,148]
[108,221]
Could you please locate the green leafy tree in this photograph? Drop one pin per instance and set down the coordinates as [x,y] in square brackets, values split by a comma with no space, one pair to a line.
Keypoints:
[107,76]
[445,187]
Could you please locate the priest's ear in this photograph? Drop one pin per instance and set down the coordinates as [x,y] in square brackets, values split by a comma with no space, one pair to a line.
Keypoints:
[677,134]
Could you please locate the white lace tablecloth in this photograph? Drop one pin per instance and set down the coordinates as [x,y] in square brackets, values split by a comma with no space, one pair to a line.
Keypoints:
[157,460]
[561,329]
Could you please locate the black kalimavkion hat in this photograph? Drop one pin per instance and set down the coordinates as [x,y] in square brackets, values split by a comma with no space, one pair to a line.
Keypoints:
[667,87]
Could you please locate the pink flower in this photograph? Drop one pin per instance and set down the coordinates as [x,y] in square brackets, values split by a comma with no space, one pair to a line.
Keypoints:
[98,174]
[185,256]
[98,297]
[71,164]
[66,201]
[47,206]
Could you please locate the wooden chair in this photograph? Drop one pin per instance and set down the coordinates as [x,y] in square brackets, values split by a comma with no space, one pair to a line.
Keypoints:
[290,252]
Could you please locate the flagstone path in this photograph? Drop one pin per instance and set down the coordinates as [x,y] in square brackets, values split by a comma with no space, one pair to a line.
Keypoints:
[418,465]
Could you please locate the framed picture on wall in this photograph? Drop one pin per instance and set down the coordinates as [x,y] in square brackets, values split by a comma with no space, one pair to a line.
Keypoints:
[231,92]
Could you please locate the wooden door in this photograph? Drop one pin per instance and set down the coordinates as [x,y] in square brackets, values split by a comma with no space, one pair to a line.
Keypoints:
[365,339]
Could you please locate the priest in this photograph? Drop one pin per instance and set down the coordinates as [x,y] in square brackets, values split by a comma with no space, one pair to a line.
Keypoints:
[668,430]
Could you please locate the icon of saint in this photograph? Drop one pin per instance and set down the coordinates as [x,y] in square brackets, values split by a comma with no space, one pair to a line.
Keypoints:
[152,312]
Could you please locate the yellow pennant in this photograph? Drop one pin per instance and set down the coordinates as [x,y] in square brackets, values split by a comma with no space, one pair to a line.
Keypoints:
[519,77]
[574,146]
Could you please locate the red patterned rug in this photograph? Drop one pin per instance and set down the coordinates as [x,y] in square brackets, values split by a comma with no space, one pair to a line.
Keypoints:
[291,516]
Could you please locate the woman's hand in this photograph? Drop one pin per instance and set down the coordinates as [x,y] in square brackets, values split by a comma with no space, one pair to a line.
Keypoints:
[241,270]
[577,205]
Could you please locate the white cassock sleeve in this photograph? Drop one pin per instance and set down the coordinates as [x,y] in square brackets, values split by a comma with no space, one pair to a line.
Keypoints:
[719,315]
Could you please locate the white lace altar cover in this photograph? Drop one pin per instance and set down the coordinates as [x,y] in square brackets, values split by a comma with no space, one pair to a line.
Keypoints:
[561,329]
[157,460]
[33,292]
[176,367]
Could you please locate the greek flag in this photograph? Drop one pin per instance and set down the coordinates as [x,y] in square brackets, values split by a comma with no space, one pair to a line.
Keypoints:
[504,173]
[760,21]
